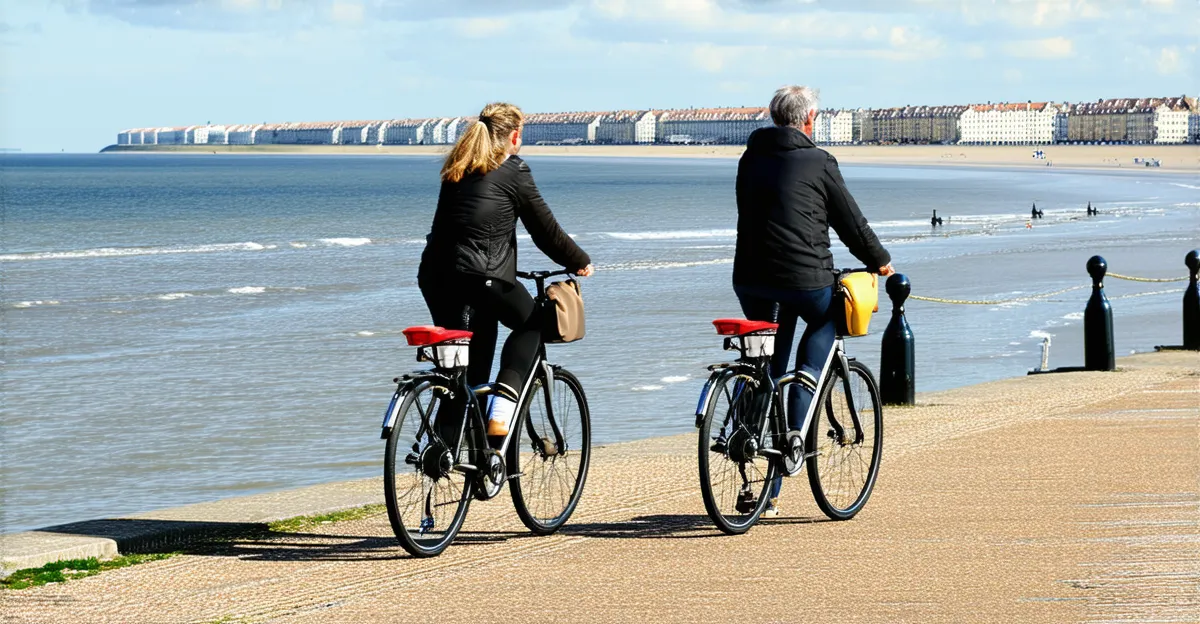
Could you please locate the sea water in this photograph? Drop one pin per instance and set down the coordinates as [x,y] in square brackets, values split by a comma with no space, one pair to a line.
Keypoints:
[181,328]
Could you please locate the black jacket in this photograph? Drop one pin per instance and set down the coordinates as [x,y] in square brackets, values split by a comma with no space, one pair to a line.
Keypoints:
[475,227]
[789,192]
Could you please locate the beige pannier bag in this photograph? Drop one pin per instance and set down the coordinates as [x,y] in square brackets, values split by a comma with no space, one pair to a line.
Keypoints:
[563,312]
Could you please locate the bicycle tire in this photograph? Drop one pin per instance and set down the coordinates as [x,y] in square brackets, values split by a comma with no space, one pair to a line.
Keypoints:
[405,436]
[832,470]
[546,487]
[721,500]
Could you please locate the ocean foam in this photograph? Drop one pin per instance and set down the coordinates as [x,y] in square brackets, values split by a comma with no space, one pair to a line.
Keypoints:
[30,304]
[1039,334]
[647,388]
[299,245]
[1074,316]
[651,265]
[671,234]
[346,242]
[248,290]
[118,252]
[174,296]
[675,379]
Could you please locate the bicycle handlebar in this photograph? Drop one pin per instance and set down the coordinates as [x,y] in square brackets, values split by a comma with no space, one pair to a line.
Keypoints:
[536,275]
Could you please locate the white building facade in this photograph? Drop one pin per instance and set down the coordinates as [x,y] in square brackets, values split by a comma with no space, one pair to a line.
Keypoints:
[1173,121]
[1031,123]
[726,126]
[626,128]
[550,128]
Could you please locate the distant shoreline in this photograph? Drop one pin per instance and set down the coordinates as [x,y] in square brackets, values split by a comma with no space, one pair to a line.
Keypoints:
[1172,158]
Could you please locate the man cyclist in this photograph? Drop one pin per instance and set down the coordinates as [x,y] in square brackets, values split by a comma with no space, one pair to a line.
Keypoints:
[789,193]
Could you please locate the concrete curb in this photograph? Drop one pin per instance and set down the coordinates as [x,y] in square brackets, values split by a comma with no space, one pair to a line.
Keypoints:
[178,526]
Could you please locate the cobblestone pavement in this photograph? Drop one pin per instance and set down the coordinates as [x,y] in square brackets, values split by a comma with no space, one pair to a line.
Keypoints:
[1067,497]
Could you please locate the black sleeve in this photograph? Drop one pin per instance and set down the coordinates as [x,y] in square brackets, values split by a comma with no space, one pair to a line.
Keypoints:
[848,221]
[547,234]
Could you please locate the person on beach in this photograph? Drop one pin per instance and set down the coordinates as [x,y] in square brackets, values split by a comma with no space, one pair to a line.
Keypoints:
[789,193]
[468,270]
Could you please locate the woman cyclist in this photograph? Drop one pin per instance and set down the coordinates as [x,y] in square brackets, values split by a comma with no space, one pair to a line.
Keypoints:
[468,270]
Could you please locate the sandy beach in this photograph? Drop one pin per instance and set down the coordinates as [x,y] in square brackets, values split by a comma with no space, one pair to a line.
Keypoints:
[1053,498]
[1172,158]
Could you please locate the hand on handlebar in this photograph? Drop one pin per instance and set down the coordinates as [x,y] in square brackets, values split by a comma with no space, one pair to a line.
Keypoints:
[586,271]
[887,270]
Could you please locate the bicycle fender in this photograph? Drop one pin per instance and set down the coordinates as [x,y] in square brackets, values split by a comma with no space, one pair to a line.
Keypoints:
[706,395]
[405,385]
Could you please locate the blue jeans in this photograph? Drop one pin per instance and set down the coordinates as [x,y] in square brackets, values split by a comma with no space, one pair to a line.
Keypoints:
[815,308]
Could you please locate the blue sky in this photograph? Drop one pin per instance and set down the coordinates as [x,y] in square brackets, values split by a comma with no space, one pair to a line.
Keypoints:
[75,72]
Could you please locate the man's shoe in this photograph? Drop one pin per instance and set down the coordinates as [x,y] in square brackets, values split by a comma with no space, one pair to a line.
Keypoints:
[772,510]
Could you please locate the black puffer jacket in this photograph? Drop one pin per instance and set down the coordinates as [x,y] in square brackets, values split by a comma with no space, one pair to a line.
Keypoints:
[789,193]
[475,227]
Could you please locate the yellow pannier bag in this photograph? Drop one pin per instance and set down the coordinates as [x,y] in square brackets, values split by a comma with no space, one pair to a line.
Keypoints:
[860,292]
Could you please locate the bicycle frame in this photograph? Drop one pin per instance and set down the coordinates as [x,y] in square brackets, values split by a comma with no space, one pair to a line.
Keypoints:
[755,369]
[456,379]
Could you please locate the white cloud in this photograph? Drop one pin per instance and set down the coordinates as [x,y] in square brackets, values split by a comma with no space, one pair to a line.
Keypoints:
[1049,48]
[1168,61]
[482,27]
[711,58]
[346,12]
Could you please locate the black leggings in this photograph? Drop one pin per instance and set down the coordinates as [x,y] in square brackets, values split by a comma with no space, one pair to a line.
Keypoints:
[478,304]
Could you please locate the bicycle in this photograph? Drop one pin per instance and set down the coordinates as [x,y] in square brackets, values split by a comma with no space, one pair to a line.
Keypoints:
[431,475]
[744,442]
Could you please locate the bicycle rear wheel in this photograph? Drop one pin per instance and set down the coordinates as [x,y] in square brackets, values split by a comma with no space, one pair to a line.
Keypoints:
[734,478]
[548,478]
[426,498]
[842,472]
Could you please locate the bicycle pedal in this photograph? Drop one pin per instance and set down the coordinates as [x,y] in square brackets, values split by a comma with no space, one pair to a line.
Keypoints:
[412,459]
[515,476]
[427,524]
[718,448]
[465,468]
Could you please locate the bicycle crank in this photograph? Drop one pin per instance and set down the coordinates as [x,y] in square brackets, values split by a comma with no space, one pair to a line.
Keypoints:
[492,477]
[793,453]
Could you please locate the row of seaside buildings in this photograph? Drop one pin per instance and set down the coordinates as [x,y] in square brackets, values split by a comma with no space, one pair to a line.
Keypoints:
[1127,120]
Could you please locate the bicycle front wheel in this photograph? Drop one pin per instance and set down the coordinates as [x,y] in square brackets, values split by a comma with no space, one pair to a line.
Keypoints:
[427,499]
[842,472]
[734,478]
[549,455]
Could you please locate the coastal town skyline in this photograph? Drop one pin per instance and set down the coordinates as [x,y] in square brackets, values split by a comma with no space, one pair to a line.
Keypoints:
[1162,120]
[74,72]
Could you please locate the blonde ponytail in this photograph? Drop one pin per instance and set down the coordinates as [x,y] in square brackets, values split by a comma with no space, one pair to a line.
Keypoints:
[482,146]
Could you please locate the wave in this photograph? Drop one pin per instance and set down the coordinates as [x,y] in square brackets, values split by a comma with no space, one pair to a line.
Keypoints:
[1039,334]
[39,302]
[1074,316]
[248,290]
[174,296]
[346,242]
[675,379]
[647,388]
[650,265]
[1187,186]
[118,252]
[671,234]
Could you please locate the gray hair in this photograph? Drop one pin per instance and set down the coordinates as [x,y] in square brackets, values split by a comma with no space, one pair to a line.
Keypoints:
[791,105]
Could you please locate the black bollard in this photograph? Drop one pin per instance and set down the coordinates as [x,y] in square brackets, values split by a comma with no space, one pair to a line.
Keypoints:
[898,362]
[1191,303]
[1099,351]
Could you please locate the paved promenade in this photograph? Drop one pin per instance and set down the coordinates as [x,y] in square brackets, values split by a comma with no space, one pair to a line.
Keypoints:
[1064,498]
